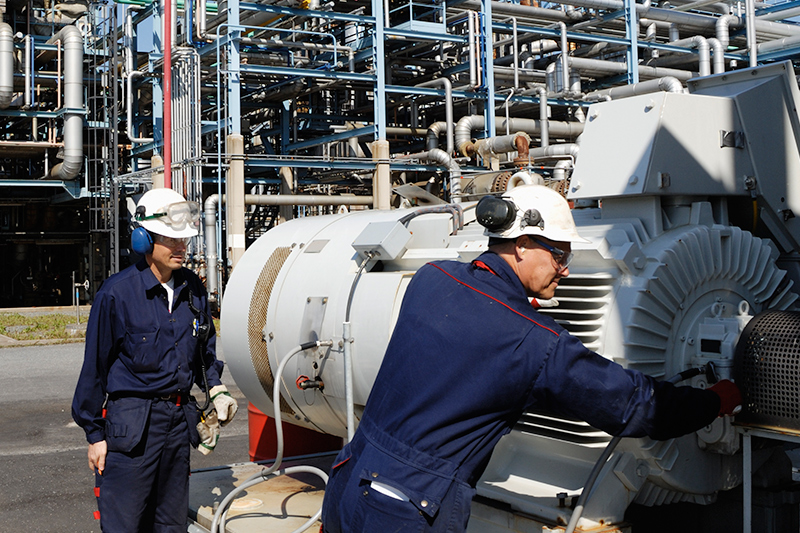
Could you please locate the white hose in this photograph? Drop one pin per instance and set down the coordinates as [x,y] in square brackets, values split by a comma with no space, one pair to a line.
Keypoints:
[218,522]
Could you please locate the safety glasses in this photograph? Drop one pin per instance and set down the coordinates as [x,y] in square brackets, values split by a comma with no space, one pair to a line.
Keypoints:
[563,259]
[173,242]
[177,214]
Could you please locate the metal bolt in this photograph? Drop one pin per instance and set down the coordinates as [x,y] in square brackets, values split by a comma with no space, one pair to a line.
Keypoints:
[562,499]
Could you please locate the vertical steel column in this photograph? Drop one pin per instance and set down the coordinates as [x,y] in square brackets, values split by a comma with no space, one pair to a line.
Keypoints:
[234,74]
[379,62]
[488,66]
[747,475]
[382,177]
[632,35]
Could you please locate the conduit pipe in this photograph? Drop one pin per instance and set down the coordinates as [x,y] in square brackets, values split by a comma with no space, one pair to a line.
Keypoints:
[555,150]
[210,217]
[6,65]
[132,73]
[448,107]
[667,84]
[71,39]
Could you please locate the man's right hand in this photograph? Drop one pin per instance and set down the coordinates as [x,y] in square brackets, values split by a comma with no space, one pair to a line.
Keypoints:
[97,456]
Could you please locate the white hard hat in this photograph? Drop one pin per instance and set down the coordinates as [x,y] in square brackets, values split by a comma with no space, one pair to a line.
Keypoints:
[165,212]
[528,210]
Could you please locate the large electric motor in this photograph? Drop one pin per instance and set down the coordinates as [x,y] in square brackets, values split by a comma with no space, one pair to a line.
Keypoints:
[668,283]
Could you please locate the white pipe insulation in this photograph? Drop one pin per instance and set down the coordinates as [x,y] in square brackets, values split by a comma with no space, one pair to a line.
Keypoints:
[464,127]
[72,41]
[6,65]
[448,107]
[667,84]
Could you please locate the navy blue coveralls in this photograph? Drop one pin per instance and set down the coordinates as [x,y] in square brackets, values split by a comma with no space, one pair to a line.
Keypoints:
[145,359]
[468,355]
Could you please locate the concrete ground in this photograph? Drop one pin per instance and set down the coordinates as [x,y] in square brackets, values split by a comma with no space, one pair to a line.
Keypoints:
[47,485]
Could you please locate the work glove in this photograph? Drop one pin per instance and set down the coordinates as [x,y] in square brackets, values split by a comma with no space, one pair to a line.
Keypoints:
[208,429]
[225,405]
[730,399]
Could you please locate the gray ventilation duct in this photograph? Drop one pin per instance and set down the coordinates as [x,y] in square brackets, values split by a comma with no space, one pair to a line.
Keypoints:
[72,41]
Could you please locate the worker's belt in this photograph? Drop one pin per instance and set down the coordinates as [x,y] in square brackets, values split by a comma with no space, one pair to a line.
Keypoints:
[176,398]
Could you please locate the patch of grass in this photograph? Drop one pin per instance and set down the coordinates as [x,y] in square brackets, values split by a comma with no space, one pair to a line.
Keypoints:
[45,326]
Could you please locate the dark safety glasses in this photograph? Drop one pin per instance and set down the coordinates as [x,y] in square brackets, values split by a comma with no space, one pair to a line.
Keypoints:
[177,213]
[563,259]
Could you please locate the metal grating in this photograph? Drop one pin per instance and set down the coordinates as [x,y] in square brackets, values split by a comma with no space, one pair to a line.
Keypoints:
[257,318]
[767,364]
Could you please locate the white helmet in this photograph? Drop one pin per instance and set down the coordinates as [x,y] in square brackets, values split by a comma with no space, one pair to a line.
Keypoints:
[165,212]
[528,210]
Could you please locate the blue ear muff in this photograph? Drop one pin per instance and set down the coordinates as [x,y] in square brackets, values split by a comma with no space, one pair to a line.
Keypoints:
[141,241]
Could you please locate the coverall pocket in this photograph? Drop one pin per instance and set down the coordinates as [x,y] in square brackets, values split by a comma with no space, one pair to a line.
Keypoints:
[140,346]
[125,423]
[379,512]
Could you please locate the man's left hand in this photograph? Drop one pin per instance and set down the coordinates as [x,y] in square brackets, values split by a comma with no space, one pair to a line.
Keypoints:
[225,405]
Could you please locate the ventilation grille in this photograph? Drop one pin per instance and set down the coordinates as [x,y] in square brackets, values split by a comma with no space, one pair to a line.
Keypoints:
[564,429]
[583,301]
[767,369]
[257,318]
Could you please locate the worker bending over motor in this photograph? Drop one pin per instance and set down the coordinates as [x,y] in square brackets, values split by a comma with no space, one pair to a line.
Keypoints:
[149,336]
[468,356]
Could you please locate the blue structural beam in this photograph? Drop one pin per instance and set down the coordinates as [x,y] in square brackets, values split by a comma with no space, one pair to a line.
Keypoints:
[357,132]
[317,164]
[280,10]
[305,73]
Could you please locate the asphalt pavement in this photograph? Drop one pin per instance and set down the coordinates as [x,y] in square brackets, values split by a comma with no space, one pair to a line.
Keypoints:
[47,485]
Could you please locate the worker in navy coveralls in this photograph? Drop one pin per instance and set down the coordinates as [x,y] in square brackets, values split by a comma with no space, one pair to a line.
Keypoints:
[142,357]
[468,355]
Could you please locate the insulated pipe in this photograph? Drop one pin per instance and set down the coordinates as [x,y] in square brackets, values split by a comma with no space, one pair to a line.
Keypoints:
[501,144]
[667,84]
[473,71]
[518,10]
[564,58]
[684,19]
[448,107]
[752,43]
[441,157]
[617,67]
[703,49]
[464,127]
[779,44]
[556,150]
[718,55]
[210,223]
[72,41]
[722,28]
[28,71]
[432,136]
[544,119]
[6,65]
